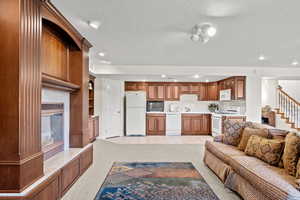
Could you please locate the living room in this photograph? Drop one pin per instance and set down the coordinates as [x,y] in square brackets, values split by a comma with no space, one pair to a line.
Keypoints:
[143,100]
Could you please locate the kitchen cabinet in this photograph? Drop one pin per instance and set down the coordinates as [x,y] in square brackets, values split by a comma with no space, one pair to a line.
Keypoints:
[172,92]
[237,85]
[190,88]
[135,86]
[212,91]
[196,124]
[156,124]
[155,92]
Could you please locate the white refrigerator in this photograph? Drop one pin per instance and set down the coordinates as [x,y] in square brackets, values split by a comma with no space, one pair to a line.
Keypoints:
[136,113]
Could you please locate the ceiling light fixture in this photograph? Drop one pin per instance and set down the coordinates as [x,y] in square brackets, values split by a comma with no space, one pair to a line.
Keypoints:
[203,32]
[102,54]
[196,76]
[163,76]
[295,62]
[261,58]
[94,24]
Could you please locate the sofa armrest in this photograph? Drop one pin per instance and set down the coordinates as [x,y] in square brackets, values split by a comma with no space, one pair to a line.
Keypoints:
[219,138]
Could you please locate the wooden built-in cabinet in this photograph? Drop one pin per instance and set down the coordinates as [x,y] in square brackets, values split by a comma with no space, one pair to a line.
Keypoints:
[91,94]
[155,124]
[172,92]
[196,124]
[237,85]
[155,92]
[167,91]
[93,128]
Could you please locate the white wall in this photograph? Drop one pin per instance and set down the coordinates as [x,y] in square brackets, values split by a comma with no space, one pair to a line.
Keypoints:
[105,103]
[253,98]
[57,96]
[269,91]
[292,87]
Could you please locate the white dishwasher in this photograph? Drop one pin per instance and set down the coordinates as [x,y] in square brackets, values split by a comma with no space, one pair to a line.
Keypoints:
[173,124]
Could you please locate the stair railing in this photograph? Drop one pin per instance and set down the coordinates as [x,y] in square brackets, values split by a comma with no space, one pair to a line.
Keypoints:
[289,108]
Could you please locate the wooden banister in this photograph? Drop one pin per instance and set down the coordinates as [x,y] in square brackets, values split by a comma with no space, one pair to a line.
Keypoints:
[286,94]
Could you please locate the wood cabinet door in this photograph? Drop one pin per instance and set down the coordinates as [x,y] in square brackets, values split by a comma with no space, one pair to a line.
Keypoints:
[212,92]
[196,124]
[156,124]
[186,125]
[172,93]
[160,92]
[203,94]
[185,89]
[206,124]
[151,92]
[240,88]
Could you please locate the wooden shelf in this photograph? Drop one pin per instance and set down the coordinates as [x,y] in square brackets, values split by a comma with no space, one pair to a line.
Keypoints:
[51,82]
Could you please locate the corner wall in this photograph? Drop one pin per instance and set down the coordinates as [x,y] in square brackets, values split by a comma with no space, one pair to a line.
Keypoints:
[253,98]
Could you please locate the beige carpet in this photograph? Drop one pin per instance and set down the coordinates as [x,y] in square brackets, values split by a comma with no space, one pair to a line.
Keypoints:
[106,152]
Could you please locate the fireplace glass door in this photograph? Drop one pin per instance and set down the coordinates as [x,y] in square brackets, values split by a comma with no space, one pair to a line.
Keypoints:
[52,134]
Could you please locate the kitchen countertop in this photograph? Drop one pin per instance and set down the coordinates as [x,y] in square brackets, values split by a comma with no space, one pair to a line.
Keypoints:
[203,112]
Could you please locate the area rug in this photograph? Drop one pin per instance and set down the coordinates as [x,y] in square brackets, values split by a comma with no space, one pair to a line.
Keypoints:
[154,181]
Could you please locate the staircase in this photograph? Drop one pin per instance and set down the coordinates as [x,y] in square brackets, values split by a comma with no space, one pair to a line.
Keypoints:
[288,108]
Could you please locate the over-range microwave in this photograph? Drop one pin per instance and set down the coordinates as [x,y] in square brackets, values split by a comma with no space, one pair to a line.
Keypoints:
[225,95]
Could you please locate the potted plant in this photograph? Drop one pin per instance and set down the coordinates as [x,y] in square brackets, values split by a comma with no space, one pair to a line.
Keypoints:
[213,107]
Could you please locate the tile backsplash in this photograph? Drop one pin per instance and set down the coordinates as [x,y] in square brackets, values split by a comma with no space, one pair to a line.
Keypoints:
[191,103]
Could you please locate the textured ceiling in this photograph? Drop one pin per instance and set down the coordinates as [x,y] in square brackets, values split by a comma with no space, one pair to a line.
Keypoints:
[155,32]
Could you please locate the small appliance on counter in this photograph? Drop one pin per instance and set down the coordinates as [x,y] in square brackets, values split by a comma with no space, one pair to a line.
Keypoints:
[155,106]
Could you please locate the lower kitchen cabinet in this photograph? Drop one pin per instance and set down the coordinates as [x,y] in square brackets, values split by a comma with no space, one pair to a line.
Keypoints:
[196,124]
[156,124]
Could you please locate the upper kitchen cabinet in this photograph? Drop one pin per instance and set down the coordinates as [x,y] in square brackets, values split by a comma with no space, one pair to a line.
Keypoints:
[172,92]
[212,91]
[135,86]
[189,88]
[236,84]
[155,92]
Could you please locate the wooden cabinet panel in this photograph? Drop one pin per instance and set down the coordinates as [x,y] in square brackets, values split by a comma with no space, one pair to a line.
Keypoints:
[156,124]
[196,124]
[190,88]
[69,174]
[212,92]
[240,88]
[156,92]
[172,93]
[55,55]
[135,86]
[93,127]
[86,159]
[51,192]
[203,96]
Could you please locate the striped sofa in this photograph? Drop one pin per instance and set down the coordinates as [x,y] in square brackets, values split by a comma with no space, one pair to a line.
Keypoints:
[250,177]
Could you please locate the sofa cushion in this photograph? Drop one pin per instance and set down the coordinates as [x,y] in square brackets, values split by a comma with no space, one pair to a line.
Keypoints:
[278,133]
[223,151]
[268,150]
[291,153]
[247,132]
[233,131]
[298,169]
[272,181]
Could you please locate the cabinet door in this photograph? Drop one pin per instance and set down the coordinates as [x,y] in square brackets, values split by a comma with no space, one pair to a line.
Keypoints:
[151,92]
[151,124]
[172,93]
[160,92]
[194,89]
[185,89]
[91,129]
[203,96]
[206,124]
[156,124]
[212,90]
[240,88]
[161,125]
[196,125]
[186,125]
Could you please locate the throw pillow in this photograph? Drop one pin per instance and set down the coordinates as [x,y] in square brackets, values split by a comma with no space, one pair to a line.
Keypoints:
[298,169]
[268,150]
[291,153]
[278,133]
[247,132]
[233,131]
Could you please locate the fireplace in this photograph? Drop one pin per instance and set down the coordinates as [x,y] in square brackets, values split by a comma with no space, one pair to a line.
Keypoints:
[52,122]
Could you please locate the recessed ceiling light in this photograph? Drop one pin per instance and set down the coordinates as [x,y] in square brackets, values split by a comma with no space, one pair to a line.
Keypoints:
[261,57]
[105,62]
[295,62]
[163,76]
[211,31]
[102,54]
[94,24]
[196,76]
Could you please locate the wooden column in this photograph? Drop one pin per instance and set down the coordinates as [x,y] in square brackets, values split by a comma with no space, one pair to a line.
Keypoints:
[79,114]
[21,159]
